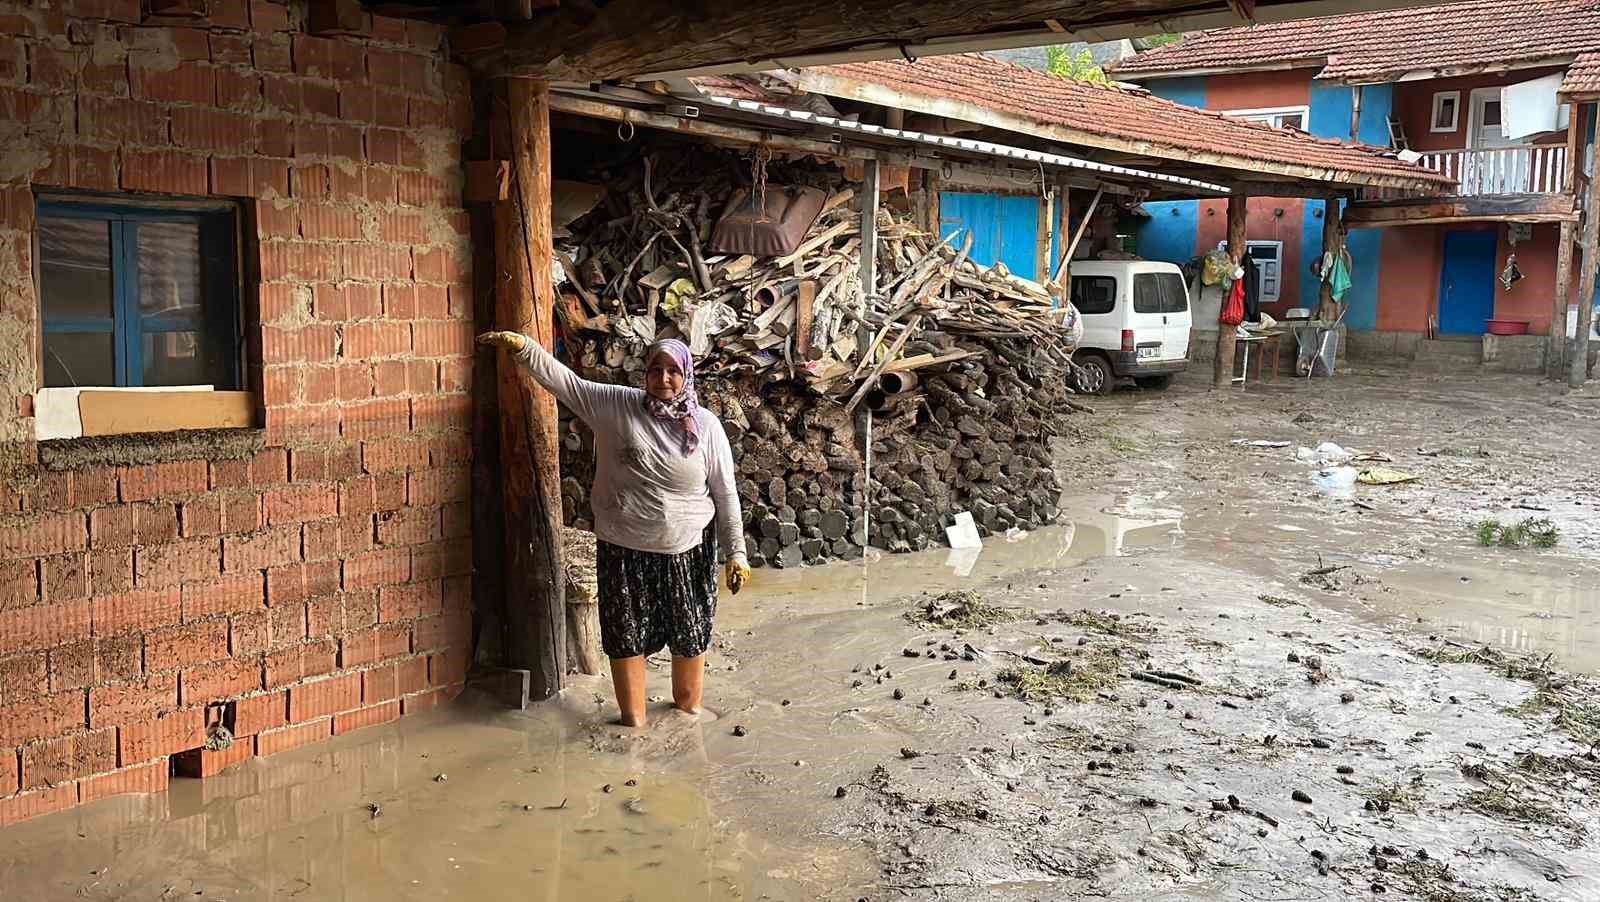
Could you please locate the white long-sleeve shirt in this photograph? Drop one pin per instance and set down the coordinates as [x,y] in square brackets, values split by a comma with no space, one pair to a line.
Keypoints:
[647,495]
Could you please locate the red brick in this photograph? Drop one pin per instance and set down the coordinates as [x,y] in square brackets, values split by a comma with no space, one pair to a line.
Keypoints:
[155,522]
[239,90]
[54,761]
[202,763]
[328,58]
[422,701]
[167,172]
[111,527]
[377,568]
[380,684]
[320,221]
[457,520]
[446,631]
[10,772]
[179,646]
[64,578]
[19,584]
[409,602]
[249,633]
[189,82]
[320,698]
[111,572]
[298,504]
[118,120]
[422,377]
[230,474]
[440,486]
[53,492]
[297,663]
[45,534]
[200,517]
[72,666]
[133,702]
[355,382]
[23,675]
[29,805]
[364,341]
[274,741]
[366,717]
[418,190]
[259,713]
[43,626]
[269,467]
[223,596]
[189,560]
[381,185]
[98,486]
[286,584]
[165,735]
[163,481]
[257,551]
[323,577]
[412,526]
[269,178]
[136,611]
[307,344]
[41,717]
[224,679]
[441,559]
[367,419]
[374,261]
[443,339]
[230,48]
[433,301]
[144,778]
[206,129]
[411,675]
[311,423]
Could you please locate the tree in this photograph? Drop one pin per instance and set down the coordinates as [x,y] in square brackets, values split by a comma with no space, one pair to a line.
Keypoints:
[1062,62]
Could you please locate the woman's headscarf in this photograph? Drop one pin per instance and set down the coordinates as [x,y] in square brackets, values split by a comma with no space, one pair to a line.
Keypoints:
[682,408]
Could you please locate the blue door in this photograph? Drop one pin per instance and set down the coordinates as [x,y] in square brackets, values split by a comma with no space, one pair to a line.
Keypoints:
[1005,228]
[1466,282]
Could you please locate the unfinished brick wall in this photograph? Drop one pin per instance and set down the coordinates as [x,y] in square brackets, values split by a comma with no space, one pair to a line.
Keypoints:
[320,584]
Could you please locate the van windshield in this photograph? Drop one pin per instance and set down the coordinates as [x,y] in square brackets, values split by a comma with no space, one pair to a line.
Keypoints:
[1094,294]
[1159,292]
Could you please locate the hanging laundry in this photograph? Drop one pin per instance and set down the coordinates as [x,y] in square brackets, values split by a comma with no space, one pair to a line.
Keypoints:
[1337,274]
[1511,274]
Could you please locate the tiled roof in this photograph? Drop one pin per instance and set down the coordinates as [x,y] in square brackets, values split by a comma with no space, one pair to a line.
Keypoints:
[1382,46]
[1583,76]
[1122,115]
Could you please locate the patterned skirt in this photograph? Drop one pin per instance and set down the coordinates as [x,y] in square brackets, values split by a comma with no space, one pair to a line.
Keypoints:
[649,601]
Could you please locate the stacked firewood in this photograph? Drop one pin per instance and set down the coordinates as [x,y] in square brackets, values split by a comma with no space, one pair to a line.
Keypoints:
[964,369]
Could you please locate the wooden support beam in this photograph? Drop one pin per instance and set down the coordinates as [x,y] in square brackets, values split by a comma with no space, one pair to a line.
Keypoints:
[193,9]
[1088,217]
[477,38]
[1332,241]
[1555,352]
[534,575]
[1578,365]
[325,17]
[1042,235]
[1222,374]
[868,272]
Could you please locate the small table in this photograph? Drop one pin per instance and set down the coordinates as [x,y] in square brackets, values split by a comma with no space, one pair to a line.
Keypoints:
[1271,344]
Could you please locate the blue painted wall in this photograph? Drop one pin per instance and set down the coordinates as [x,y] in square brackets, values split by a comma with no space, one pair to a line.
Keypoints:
[1004,228]
[1330,118]
[1169,234]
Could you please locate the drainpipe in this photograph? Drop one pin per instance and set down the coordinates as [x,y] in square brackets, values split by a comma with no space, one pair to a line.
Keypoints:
[1355,113]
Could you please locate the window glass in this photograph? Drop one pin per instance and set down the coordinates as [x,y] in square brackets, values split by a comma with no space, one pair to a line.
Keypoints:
[1147,293]
[1444,116]
[1174,293]
[1094,294]
[1491,112]
[78,358]
[178,358]
[1292,120]
[169,269]
[75,267]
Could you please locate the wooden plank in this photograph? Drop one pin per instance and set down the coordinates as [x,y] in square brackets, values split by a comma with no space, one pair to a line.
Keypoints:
[1555,353]
[804,313]
[127,412]
[868,268]
[1332,240]
[1088,216]
[535,577]
[1222,373]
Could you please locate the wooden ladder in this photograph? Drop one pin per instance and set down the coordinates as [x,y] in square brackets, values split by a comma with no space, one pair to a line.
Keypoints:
[1397,134]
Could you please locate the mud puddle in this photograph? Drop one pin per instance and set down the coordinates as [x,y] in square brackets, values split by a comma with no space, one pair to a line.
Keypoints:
[476,803]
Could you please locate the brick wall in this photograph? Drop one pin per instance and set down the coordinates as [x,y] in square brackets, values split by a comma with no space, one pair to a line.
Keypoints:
[321,584]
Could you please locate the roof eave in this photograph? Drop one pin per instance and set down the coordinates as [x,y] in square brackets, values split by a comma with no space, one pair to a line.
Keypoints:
[1203,71]
[1246,168]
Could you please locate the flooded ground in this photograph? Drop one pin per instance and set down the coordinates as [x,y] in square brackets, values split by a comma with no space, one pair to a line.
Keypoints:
[1339,694]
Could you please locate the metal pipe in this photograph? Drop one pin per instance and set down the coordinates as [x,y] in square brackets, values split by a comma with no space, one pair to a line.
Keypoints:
[1355,114]
[897,383]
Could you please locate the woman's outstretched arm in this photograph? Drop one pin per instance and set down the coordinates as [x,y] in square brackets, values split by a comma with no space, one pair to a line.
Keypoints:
[585,398]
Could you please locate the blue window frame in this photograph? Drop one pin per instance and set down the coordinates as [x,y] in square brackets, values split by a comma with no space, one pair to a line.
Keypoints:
[138,295]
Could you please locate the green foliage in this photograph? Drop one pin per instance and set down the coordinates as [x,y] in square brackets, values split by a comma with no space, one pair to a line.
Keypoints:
[1161,40]
[1063,63]
[1536,531]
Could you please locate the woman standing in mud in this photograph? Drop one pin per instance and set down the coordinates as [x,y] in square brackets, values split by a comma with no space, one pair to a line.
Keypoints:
[664,502]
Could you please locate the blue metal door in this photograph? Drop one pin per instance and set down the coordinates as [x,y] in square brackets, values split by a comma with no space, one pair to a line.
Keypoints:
[1005,228]
[1466,282]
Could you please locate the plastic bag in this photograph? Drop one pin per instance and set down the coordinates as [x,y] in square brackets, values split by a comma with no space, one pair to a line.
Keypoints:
[1233,311]
[1215,268]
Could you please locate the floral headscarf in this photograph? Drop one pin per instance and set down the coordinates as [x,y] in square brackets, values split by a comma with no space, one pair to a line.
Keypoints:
[682,408]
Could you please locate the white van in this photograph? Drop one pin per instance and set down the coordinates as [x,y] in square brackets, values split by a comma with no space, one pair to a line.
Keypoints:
[1135,322]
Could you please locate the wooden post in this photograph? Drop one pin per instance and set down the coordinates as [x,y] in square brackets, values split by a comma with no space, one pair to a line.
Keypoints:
[535,580]
[1555,354]
[1332,240]
[1222,374]
[1577,367]
[1063,276]
[1041,253]
[868,272]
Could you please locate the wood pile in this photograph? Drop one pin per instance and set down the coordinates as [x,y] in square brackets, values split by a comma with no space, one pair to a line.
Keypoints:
[964,368]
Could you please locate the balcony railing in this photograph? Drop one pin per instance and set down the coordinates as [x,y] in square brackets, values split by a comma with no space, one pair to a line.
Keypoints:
[1533,169]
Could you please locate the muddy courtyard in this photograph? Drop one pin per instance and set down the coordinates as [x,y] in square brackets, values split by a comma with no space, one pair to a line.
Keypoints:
[1234,670]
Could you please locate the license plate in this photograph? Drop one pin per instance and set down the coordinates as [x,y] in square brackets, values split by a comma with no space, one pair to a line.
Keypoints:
[1148,353]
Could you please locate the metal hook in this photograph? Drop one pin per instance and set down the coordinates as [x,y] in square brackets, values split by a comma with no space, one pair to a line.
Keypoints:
[628,136]
[907,54]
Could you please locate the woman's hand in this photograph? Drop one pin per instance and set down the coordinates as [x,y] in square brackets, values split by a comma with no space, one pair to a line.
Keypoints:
[511,341]
[736,572]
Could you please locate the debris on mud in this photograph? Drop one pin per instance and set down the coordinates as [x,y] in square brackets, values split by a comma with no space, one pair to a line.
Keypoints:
[1537,532]
[1105,622]
[1078,678]
[960,609]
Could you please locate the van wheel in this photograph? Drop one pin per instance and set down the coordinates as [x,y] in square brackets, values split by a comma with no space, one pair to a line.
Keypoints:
[1094,375]
[1154,382]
